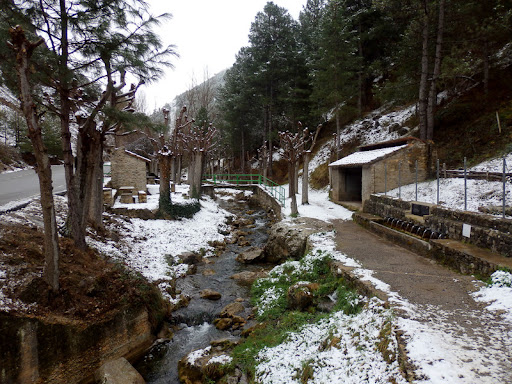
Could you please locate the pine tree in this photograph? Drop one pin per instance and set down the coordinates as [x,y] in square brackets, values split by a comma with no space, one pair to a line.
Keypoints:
[91,48]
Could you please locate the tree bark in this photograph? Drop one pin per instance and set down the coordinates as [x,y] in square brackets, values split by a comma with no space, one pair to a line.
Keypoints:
[432,97]
[164,163]
[305,178]
[423,89]
[24,50]
[291,172]
[198,165]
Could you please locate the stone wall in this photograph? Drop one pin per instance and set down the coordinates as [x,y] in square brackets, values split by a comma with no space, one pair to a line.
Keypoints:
[55,352]
[397,168]
[486,231]
[128,171]
[374,175]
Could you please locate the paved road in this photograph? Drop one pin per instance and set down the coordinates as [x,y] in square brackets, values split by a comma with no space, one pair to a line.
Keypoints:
[24,185]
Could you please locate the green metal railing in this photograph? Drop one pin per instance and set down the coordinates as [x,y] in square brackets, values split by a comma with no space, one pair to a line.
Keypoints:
[272,188]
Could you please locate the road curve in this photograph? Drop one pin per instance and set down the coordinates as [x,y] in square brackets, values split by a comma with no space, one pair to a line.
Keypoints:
[24,185]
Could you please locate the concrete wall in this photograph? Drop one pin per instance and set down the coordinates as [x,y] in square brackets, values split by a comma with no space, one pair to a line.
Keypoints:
[128,171]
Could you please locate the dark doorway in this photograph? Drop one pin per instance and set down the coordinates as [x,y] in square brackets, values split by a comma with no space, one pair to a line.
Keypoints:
[353,184]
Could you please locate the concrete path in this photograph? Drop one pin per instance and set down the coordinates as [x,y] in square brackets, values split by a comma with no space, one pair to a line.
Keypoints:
[450,337]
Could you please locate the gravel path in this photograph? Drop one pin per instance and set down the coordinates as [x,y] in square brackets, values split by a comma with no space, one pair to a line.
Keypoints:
[450,337]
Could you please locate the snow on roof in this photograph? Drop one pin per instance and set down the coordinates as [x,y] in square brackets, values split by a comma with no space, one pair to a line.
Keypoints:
[138,156]
[365,157]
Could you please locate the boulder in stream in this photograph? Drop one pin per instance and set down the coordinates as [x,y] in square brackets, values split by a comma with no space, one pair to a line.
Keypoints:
[289,240]
[252,255]
[118,371]
[205,363]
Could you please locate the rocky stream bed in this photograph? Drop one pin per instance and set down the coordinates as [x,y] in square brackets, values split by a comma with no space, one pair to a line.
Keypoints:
[217,308]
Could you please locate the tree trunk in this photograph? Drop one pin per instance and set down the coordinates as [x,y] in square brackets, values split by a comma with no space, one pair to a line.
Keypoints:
[432,97]
[338,135]
[291,172]
[164,204]
[191,170]
[195,187]
[270,160]
[178,171]
[305,178]
[242,157]
[486,68]
[95,182]
[423,90]
[24,49]
[74,219]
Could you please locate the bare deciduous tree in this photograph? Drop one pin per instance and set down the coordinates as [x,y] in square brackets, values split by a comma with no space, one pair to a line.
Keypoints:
[293,146]
[198,141]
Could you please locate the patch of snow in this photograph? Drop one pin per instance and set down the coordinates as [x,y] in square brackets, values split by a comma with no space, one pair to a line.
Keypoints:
[498,294]
[220,359]
[151,247]
[195,355]
[319,207]
[451,193]
[339,349]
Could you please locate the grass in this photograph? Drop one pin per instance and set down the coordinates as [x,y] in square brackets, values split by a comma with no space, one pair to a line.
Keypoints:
[278,320]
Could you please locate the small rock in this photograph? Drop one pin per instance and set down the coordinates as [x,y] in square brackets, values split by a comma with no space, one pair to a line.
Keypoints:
[226,343]
[209,272]
[247,278]
[189,258]
[210,294]
[232,309]
[300,295]
[223,323]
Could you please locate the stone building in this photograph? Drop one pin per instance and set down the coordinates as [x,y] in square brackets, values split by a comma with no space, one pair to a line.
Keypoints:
[129,170]
[379,168]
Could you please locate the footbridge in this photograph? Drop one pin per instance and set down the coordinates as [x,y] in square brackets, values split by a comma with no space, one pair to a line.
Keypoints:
[241,180]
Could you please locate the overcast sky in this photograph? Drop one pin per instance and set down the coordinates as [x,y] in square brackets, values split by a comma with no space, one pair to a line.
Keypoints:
[207,34]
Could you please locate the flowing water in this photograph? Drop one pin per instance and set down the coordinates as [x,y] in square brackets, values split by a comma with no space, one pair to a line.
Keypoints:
[193,324]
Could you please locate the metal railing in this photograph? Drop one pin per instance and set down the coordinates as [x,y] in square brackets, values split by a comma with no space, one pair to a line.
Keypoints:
[272,188]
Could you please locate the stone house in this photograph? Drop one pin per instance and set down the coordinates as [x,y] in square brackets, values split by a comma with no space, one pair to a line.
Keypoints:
[129,170]
[380,167]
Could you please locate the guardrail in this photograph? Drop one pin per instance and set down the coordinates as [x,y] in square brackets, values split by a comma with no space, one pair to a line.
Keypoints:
[274,189]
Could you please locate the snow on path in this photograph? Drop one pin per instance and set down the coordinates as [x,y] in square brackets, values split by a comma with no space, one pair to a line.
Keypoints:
[459,346]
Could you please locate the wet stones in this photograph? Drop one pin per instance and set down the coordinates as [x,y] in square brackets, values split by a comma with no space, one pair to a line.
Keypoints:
[210,362]
[250,256]
[246,278]
[229,317]
[190,258]
[210,294]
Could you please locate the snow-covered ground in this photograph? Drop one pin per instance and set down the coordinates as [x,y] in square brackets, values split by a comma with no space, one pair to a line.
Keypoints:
[152,246]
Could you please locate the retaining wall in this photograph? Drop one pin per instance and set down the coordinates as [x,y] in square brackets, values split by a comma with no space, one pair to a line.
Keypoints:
[485,231]
[68,352]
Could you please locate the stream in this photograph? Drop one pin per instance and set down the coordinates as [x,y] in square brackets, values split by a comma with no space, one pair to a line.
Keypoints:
[192,325]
